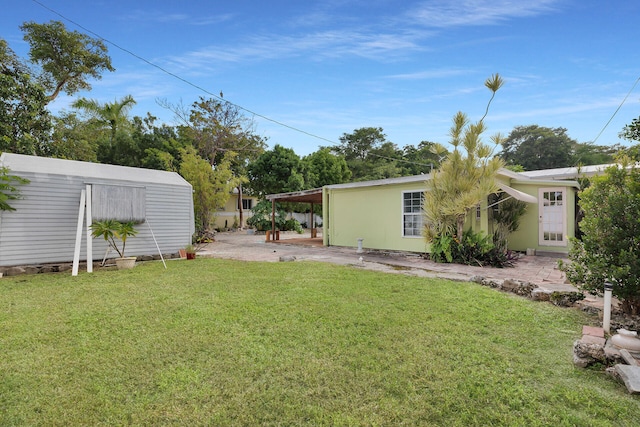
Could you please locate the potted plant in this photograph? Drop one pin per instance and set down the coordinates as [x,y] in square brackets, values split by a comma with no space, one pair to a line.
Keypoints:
[112,231]
[190,251]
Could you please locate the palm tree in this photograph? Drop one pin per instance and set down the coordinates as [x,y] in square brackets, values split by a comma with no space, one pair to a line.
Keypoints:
[111,114]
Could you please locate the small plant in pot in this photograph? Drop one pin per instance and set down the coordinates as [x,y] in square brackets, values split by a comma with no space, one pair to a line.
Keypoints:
[190,251]
[113,231]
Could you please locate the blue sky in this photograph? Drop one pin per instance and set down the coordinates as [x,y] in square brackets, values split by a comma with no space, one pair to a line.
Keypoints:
[330,67]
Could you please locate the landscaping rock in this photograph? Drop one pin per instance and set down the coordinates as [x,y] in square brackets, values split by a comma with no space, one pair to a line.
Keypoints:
[565,299]
[287,258]
[541,294]
[518,287]
[14,271]
[585,353]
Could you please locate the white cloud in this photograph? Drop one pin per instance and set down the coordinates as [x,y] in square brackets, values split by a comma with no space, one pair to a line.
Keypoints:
[446,13]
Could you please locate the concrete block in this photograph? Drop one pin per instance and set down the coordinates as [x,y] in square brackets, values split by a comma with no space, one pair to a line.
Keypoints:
[631,377]
[628,358]
[593,331]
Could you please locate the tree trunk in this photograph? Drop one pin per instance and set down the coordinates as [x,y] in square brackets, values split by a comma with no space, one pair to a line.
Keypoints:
[240,208]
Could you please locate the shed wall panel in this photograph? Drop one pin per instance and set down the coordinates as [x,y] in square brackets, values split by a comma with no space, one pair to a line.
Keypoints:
[43,227]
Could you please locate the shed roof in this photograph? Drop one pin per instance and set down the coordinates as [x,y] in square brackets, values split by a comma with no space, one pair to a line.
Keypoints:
[87,170]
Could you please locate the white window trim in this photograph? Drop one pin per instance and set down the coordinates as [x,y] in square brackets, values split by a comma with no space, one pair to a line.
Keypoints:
[402,213]
[565,238]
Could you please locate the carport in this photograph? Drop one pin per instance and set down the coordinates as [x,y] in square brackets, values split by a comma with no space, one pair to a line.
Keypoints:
[313,197]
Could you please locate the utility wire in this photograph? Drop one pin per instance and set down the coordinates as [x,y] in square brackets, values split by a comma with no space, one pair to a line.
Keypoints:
[617,109]
[146,61]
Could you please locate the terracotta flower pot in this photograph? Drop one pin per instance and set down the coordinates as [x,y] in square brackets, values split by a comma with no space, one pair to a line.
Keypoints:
[191,255]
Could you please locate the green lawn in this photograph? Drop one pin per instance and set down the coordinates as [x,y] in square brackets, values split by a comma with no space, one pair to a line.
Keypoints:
[213,342]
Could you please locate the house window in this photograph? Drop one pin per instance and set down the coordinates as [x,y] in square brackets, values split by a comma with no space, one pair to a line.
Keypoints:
[247,204]
[412,213]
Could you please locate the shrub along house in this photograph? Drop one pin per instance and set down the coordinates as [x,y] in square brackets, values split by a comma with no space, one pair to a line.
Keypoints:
[387,213]
[44,226]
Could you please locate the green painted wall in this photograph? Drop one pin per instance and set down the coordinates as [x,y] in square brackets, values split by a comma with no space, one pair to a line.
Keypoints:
[372,213]
[527,234]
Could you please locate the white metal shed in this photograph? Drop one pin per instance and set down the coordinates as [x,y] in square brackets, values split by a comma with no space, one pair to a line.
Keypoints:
[42,229]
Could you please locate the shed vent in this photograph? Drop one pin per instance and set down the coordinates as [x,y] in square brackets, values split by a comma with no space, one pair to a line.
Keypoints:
[119,203]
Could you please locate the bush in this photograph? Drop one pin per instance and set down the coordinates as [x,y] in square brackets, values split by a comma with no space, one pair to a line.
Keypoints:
[610,246]
[474,249]
[261,219]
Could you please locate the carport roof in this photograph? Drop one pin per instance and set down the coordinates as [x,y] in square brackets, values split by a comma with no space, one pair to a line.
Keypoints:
[305,196]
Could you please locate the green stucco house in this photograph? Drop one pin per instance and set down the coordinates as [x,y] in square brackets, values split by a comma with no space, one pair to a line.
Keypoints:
[387,213]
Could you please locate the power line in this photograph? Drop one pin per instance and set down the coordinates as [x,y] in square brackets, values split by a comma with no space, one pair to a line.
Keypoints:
[181,78]
[617,109]
[219,97]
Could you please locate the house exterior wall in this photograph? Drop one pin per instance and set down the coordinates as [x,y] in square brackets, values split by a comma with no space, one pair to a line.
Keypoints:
[42,229]
[527,235]
[227,216]
[373,213]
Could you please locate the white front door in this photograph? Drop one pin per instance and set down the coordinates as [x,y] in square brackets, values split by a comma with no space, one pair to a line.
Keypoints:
[552,213]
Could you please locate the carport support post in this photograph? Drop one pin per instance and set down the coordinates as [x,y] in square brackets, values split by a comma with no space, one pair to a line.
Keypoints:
[273,219]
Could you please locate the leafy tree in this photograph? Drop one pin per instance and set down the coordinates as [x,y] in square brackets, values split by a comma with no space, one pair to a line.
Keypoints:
[368,154]
[610,246]
[590,154]
[631,132]
[217,127]
[110,114]
[421,159]
[25,123]
[73,139]
[535,147]
[276,171]
[463,179]
[67,59]
[324,168]
[211,187]
[112,117]
[8,188]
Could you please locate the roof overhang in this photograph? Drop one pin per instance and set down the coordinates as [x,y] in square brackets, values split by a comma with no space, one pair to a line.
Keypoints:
[305,196]
[517,194]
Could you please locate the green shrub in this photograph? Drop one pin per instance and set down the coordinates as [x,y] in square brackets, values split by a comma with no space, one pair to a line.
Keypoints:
[474,249]
[610,246]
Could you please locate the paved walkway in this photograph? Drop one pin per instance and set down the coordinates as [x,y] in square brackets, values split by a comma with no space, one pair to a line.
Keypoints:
[540,270]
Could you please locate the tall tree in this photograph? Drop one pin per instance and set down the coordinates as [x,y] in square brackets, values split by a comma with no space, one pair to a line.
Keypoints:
[276,171]
[73,138]
[535,147]
[68,59]
[368,154]
[217,127]
[590,154]
[324,168]
[25,122]
[421,159]
[211,187]
[631,132]
[463,179]
[112,116]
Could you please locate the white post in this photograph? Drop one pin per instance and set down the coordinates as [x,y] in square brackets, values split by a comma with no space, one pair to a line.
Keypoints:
[76,252]
[359,251]
[89,238]
[606,318]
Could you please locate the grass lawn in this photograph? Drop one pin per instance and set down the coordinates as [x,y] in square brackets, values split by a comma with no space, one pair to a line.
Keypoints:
[214,342]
